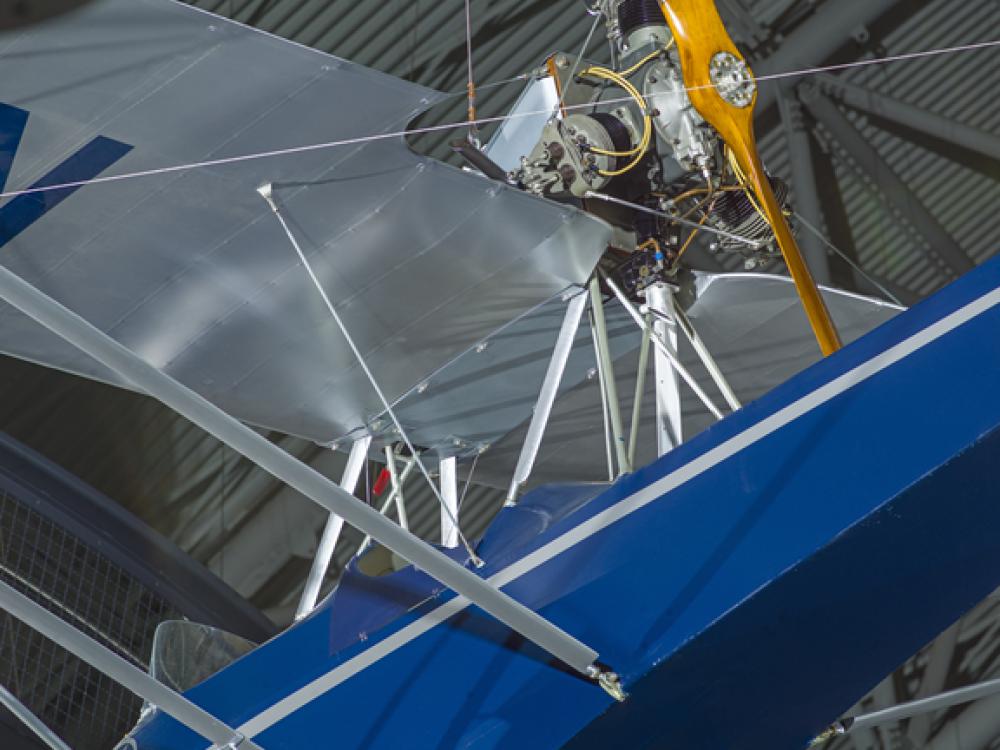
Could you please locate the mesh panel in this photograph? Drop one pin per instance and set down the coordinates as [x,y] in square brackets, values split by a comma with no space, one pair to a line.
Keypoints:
[84,588]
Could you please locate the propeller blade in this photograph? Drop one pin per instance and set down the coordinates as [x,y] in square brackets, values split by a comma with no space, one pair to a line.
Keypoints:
[722,88]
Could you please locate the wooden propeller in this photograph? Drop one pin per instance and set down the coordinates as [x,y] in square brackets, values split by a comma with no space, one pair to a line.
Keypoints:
[700,36]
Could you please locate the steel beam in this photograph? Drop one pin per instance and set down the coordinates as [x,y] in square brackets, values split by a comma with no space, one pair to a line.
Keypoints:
[804,184]
[148,379]
[911,116]
[891,186]
[833,24]
[331,532]
[547,394]
[108,662]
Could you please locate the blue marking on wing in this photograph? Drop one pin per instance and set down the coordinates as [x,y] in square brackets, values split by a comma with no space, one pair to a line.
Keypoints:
[24,210]
[12,123]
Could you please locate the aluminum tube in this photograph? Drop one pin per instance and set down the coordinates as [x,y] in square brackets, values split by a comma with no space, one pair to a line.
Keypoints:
[939,663]
[640,389]
[669,413]
[106,661]
[393,496]
[74,329]
[397,489]
[448,472]
[934,703]
[331,531]
[610,385]
[604,401]
[32,722]
[670,354]
[705,356]
[547,394]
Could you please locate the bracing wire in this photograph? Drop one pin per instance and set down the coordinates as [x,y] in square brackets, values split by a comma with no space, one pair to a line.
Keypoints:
[846,258]
[576,64]
[471,85]
[368,373]
[308,148]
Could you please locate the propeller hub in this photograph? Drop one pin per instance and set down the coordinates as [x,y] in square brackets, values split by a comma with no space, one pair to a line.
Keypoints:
[732,79]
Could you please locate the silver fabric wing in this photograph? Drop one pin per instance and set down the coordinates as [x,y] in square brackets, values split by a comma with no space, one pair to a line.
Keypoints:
[190,269]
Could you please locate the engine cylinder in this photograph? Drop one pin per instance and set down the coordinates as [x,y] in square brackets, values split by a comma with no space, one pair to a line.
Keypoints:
[634,14]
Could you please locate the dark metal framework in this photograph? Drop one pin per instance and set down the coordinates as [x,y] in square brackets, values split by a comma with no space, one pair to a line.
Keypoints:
[83,558]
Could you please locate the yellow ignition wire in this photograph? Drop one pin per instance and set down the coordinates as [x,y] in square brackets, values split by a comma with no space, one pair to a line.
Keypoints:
[741,178]
[647,131]
[651,56]
[694,233]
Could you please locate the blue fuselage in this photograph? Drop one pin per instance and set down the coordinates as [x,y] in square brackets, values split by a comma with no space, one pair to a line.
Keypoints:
[788,557]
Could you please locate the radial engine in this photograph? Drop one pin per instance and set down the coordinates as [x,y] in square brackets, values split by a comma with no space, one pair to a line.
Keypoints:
[630,132]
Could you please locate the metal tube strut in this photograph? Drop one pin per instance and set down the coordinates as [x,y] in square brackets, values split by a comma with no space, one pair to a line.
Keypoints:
[449,491]
[669,418]
[32,722]
[331,531]
[266,192]
[108,662]
[604,401]
[640,390]
[306,480]
[665,348]
[913,708]
[705,356]
[611,387]
[547,394]
[395,495]
[397,488]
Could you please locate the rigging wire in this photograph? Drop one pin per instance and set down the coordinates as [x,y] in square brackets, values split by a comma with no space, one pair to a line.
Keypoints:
[468,479]
[471,86]
[576,63]
[265,193]
[846,258]
[308,148]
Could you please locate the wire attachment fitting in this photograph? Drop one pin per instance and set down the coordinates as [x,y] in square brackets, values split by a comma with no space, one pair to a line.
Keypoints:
[834,730]
[609,682]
